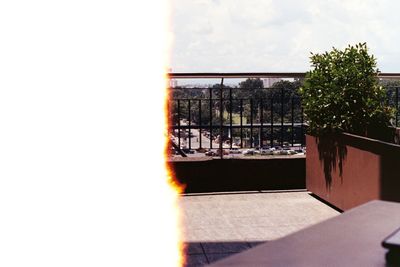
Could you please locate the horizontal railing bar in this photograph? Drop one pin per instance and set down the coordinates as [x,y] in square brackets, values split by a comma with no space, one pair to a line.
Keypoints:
[192,75]
[236,99]
[184,75]
[265,124]
[389,75]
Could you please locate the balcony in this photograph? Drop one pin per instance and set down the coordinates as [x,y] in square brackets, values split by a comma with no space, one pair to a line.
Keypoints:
[230,149]
[252,121]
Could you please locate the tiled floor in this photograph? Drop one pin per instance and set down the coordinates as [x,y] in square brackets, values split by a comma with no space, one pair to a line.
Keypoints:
[218,225]
[202,253]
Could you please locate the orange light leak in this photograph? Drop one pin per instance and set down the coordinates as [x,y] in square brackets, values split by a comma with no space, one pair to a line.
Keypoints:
[83,175]
[175,185]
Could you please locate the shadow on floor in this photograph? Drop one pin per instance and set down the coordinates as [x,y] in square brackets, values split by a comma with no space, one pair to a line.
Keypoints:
[203,253]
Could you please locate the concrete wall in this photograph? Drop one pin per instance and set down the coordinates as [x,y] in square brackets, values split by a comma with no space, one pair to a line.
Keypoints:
[370,170]
[214,175]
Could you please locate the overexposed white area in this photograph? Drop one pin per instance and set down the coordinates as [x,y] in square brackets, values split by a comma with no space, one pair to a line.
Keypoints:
[278,36]
[82,179]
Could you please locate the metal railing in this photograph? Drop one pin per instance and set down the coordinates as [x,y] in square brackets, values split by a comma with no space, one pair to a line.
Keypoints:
[222,118]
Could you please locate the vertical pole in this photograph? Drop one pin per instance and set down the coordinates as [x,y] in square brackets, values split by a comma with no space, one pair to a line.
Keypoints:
[179,123]
[251,123]
[221,117]
[397,105]
[210,118]
[199,123]
[230,117]
[282,117]
[190,124]
[302,127]
[292,122]
[261,122]
[272,122]
[241,123]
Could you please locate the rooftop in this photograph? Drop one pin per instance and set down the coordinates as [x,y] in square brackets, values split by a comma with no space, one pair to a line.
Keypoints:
[217,225]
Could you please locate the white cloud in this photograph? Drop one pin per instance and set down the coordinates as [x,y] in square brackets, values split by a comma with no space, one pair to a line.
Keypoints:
[261,35]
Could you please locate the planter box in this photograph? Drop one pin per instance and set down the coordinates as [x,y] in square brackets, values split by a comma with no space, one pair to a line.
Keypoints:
[355,171]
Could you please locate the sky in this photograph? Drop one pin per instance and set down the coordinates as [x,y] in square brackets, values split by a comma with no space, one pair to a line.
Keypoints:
[278,35]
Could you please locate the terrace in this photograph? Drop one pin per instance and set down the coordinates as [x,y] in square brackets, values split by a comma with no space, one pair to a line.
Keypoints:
[219,225]
[234,199]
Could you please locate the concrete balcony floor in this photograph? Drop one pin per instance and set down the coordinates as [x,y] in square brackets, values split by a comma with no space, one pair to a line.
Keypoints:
[217,225]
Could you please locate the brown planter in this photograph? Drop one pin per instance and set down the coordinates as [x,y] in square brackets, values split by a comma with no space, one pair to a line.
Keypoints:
[348,170]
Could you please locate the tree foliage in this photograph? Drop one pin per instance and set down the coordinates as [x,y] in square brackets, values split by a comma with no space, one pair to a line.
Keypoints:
[342,93]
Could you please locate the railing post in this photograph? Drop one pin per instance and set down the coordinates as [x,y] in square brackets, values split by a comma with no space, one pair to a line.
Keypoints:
[302,127]
[251,122]
[292,131]
[221,116]
[282,116]
[272,121]
[230,118]
[200,124]
[179,123]
[241,123]
[190,124]
[261,123]
[210,117]
[397,105]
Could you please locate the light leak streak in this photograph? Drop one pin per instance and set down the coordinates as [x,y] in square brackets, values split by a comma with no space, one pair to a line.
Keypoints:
[83,179]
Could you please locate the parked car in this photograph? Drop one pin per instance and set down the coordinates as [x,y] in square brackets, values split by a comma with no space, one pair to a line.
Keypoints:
[224,152]
[267,151]
[235,150]
[188,151]
[284,151]
[287,151]
[210,153]
[301,151]
[249,152]
[201,150]
[277,152]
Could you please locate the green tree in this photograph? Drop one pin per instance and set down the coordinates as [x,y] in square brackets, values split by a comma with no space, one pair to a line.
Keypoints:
[341,92]
[283,93]
[251,88]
